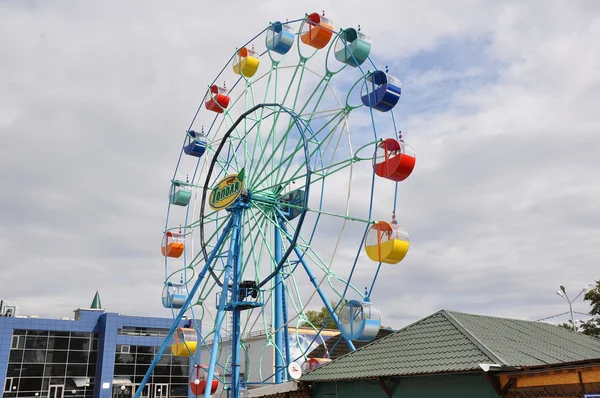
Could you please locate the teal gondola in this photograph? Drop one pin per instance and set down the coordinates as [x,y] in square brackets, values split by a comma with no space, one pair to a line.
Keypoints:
[180,194]
[353,47]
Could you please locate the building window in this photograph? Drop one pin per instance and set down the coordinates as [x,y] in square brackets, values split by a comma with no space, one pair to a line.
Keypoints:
[171,372]
[125,349]
[41,360]
[18,342]
[140,331]
[8,384]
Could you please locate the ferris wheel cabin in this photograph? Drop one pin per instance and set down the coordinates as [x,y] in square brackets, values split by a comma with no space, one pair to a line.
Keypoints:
[394,160]
[381,91]
[184,342]
[316,31]
[172,244]
[219,100]
[279,38]
[174,295]
[195,144]
[198,382]
[293,204]
[246,62]
[353,47]
[359,321]
[387,242]
[180,194]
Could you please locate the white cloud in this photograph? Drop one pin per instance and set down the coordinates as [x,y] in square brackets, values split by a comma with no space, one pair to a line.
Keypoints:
[501,207]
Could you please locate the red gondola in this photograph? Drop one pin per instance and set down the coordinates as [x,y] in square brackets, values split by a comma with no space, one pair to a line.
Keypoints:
[394,160]
[218,100]
[198,381]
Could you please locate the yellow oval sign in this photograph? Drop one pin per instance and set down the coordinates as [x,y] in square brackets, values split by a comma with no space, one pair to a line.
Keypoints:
[226,191]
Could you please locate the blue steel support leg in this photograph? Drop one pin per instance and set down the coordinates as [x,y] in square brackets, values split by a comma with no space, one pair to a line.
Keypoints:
[286,332]
[235,338]
[231,258]
[326,303]
[179,316]
[278,310]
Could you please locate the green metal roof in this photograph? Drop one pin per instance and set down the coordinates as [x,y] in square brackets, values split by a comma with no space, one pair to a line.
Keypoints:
[96,305]
[449,341]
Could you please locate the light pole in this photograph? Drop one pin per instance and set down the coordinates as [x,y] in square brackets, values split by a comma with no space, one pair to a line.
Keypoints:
[563,293]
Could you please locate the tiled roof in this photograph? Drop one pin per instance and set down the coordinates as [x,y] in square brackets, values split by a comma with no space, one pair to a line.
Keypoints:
[449,341]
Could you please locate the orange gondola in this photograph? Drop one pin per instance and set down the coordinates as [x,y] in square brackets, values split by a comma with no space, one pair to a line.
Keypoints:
[173,244]
[395,160]
[316,30]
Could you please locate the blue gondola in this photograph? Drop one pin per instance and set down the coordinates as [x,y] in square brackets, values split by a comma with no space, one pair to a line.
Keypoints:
[359,321]
[195,143]
[279,38]
[174,295]
[381,91]
[353,47]
[292,204]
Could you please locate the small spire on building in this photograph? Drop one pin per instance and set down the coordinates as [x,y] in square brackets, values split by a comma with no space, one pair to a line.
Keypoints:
[96,305]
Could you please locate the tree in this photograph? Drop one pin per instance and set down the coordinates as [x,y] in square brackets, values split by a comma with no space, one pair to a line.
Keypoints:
[592,327]
[317,318]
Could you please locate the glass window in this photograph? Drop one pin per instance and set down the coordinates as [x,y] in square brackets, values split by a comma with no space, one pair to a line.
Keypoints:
[15,356]
[78,344]
[76,370]
[82,335]
[144,350]
[13,370]
[34,356]
[95,344]
[37,342]
[93,357]
[39,333]
[124,358]
[58,343]
[8,384]
[31,370]
[179,390]
[19,332]
[56,357]
[56,369]
[59,334]
[124,370]
[78,357]
[162,370]
[18,342]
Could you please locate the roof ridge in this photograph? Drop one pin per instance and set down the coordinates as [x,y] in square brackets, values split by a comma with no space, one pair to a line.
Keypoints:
[472,338]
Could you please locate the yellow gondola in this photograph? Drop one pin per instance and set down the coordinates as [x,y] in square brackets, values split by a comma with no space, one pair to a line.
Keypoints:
[184,342]
[246,62]
[387,242]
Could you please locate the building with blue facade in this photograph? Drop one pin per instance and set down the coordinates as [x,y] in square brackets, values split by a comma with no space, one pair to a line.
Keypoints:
[95,354]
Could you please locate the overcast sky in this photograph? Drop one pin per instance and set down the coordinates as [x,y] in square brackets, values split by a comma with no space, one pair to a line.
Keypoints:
[501,101]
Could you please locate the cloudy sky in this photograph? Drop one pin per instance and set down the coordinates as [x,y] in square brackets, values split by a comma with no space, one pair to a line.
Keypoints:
[500,99]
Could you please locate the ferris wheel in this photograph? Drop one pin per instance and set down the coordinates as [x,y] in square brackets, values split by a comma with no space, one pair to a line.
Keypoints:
[283,200]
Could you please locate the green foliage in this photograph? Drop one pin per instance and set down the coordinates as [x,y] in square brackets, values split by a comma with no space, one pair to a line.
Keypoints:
[317,318]
[592,327]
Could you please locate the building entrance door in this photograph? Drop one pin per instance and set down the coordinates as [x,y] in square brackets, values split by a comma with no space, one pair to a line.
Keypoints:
[161,391]
[145,392]
[56,391]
